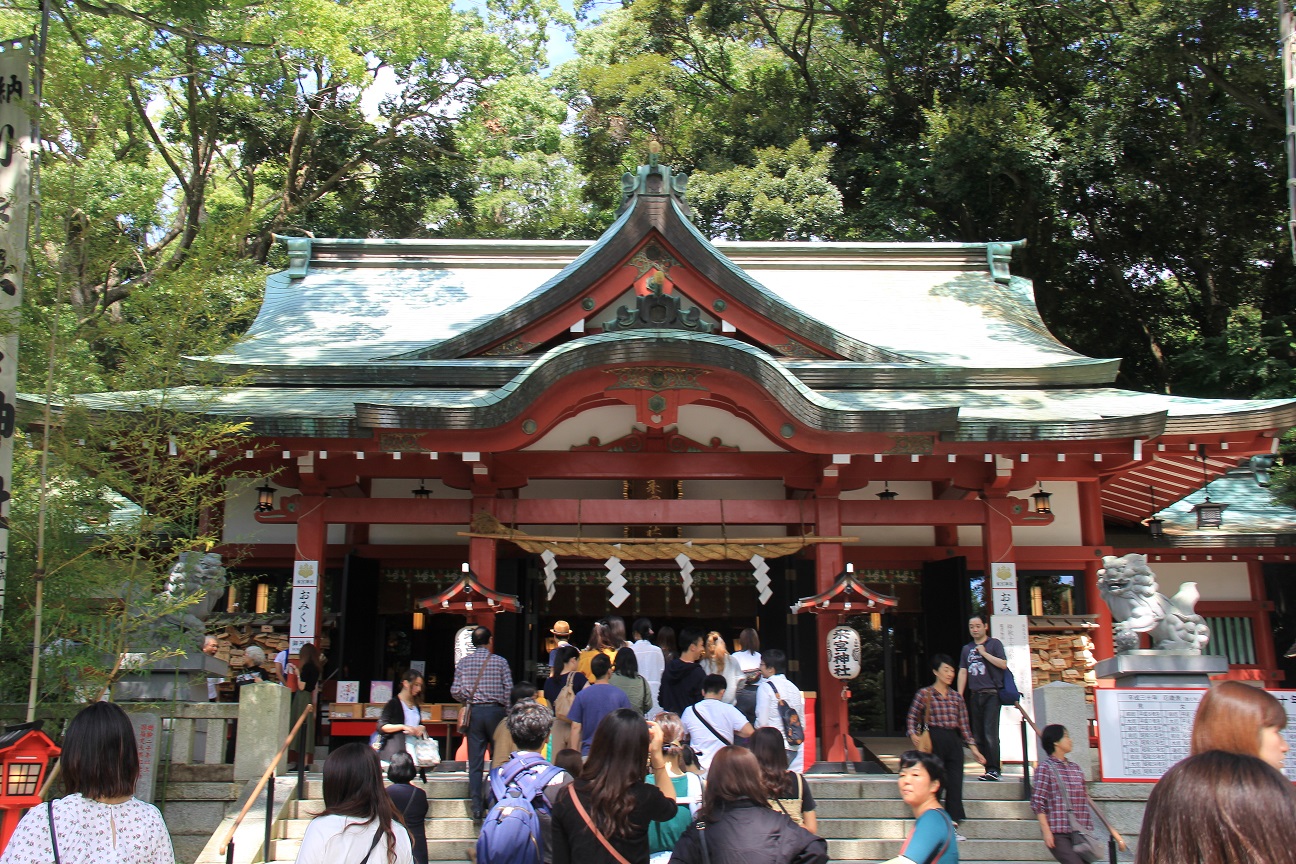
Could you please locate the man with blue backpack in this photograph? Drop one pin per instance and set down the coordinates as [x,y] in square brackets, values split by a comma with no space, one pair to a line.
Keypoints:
[518,828]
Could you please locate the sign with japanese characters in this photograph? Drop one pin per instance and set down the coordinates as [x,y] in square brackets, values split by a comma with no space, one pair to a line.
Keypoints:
[1014,632]
[1003,588]
[148,740]
[15,184]
[843,653]
[1144,731]
[302,614]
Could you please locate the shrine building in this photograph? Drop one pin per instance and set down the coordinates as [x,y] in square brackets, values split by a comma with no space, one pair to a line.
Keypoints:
[897,407]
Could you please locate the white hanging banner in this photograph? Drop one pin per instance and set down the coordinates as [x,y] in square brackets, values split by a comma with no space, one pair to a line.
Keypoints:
[686,575]
[617,593]
[302,619]
[1014,632]
[15,192]
[761,569]
[551,573]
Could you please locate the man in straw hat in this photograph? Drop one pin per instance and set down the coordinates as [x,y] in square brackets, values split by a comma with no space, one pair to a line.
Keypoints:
[562,630]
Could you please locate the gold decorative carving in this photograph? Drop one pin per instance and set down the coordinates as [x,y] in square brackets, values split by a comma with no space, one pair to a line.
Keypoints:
[912,445]
[796,349]
[657,378]
[400,442]
[513,346]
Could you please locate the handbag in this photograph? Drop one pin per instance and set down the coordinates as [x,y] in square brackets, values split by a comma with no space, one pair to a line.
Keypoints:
[620,859]
[792,809]
[566,696]
[1087,844]
[425,752]
[924,744]
[465,716]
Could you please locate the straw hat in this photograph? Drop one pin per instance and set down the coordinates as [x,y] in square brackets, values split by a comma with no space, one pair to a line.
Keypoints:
[561,629]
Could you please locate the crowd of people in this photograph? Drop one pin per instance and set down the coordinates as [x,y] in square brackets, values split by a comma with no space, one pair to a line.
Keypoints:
[635,752]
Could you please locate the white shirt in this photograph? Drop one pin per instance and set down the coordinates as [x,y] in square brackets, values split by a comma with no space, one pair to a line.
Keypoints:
[651,665]
[413,715]
[750,661]
[281,665]
[345,840]
[732,673]
[725,718]
[85,830]
[767,713]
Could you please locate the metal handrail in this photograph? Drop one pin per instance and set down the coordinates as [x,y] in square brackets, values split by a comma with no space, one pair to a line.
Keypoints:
[227,845]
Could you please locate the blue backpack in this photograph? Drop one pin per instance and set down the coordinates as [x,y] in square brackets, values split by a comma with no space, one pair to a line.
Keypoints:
[510,833]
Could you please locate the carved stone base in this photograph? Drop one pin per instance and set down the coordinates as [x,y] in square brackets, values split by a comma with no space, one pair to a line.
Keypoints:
[1146,668]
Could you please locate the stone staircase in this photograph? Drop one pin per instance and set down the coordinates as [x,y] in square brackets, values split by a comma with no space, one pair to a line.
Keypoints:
[861,816]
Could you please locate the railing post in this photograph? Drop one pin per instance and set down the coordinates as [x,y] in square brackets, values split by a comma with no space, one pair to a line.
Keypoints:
[1111,850]
[301,761]
[1026,783]
[269,817]
[229,852]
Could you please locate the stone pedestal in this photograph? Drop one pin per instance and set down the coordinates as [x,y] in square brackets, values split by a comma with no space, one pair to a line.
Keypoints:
[1065,704]
[179,679]
[265,716]
[1145,668]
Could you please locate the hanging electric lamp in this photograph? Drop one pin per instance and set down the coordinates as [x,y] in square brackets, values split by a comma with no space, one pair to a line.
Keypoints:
[886,494]
[1155,526]
[422,493]
[265,498]
[1210,514]
[1041,499]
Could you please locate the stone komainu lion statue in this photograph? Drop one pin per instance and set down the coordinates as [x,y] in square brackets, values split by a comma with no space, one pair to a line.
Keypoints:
[1130,589]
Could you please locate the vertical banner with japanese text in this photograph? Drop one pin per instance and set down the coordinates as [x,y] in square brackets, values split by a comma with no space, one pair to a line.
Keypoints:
[16,118]
[305,595]
[1014,632]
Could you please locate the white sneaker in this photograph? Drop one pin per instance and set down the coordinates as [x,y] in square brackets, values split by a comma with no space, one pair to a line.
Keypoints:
[959,837]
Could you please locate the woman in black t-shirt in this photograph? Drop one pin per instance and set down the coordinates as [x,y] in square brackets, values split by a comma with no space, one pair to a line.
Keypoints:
[610,805]
[788,791]
[307,676]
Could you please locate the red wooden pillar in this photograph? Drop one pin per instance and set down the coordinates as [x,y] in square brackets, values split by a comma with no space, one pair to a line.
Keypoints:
[1094,536]
[481,558]
[828,565]
[1266,651]
[312,545]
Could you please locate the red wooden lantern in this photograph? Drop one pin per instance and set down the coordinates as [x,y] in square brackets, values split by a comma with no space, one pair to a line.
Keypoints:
[25,754]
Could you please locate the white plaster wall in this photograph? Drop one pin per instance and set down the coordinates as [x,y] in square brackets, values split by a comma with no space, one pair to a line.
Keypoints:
[387,535]
[702,423]
[891,535]
[1065,530]
[1216,580]
[607,424]
[241,526]
[401,488]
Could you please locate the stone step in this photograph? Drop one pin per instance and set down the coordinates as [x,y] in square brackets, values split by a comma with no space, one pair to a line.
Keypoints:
[438,808]
[439,829]
[968,850]
[885,787]
[438,850]
[898,829]
[839,808]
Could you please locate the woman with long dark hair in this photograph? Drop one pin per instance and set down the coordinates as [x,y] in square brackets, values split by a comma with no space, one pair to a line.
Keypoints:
[749,660]
[600,642]
[788,791]
[99,820]
[401,716]
[666,642]
[1219,808]
[626,678]
[609,807]
[307,675]
[360,824]
[737,824]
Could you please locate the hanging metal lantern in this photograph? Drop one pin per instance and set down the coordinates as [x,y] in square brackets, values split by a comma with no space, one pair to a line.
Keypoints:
[265,498]
[843,653]
[1041,499]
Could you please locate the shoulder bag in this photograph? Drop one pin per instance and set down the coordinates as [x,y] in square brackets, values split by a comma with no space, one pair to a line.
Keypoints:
[49,810]
[1007,685]
[580,808]
[714,731]
[1088,845]
[465,716]
[566,696]
[924,744]
[706,853]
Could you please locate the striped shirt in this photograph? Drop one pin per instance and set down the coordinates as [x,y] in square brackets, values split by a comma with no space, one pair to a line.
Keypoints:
[494,686]
[1047,797]
[948,712]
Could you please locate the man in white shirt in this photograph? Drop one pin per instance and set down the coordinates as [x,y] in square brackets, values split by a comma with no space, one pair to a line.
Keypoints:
[713,723]
[651,660]
[774,677]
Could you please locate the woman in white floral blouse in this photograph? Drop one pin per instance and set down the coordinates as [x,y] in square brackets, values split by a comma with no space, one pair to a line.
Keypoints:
[99,821]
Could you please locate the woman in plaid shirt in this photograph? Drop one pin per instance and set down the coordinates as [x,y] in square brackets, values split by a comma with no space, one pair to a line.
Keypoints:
[947,719]
[1049,800]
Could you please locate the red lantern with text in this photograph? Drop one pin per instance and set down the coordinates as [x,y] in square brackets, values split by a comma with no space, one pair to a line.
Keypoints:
[25,754]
